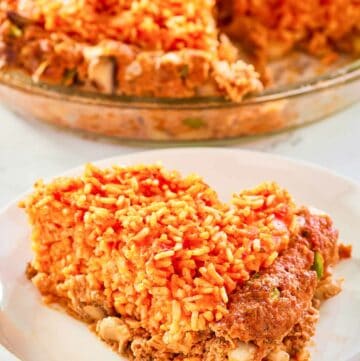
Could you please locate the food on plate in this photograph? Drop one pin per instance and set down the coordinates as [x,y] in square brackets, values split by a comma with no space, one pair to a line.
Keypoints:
[162,269]
[169,48]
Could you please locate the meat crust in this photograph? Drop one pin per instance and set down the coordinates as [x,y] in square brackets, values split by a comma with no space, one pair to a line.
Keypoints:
[266,308]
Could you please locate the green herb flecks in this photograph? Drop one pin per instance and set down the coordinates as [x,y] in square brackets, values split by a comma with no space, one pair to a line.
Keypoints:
[69,77]
[318,265]
[194,123]
[184,72]
[15,31]
[275,294]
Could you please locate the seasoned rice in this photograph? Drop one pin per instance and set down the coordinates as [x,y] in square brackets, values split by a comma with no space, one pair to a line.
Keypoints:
[152,25]
[155,247]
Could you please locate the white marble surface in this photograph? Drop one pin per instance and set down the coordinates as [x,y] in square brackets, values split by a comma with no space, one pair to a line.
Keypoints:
[30,150]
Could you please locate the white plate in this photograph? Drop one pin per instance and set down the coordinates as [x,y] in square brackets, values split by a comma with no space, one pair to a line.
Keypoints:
[34,332]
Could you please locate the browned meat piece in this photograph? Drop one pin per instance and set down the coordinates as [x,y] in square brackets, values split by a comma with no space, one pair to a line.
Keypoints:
[44,57]
[302,332]
[266,308]
[320,232]
[345,251]
[207,348]
[217,349]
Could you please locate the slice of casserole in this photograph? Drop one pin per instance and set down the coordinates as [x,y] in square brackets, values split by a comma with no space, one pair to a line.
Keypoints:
[163,270]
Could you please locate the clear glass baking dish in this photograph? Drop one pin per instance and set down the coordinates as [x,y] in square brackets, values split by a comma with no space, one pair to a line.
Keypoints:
[183,119]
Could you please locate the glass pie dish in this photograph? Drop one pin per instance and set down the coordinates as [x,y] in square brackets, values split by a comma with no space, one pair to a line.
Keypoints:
[204,118]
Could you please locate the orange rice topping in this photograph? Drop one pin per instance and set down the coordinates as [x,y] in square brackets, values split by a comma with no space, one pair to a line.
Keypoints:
[163,249]
[152,25]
